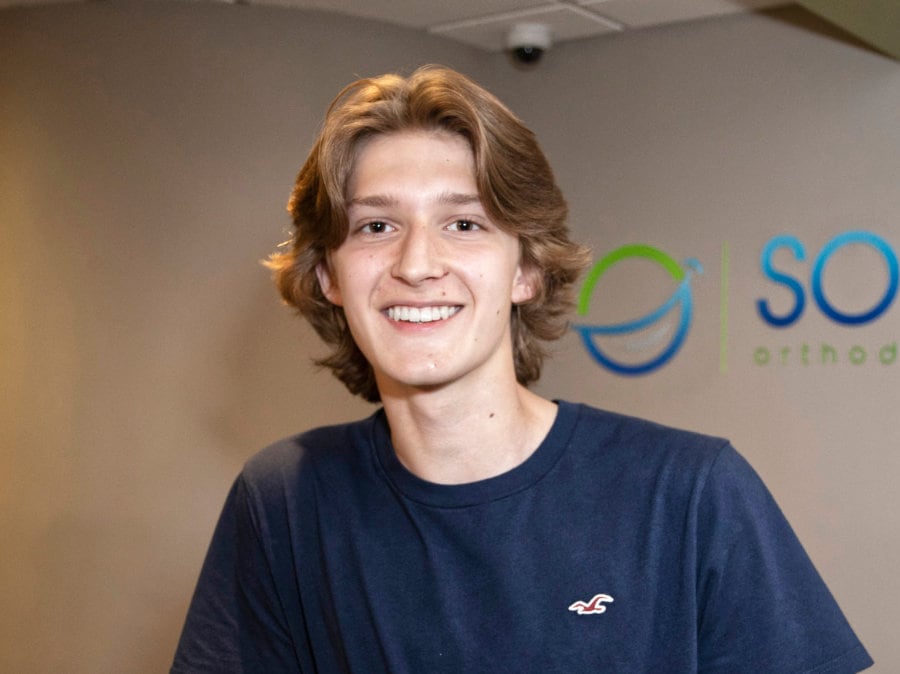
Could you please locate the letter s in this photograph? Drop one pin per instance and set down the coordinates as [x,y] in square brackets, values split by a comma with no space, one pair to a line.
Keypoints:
[765,263]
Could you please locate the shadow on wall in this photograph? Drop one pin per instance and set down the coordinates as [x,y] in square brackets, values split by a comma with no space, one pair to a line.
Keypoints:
[275,389]
[808,21]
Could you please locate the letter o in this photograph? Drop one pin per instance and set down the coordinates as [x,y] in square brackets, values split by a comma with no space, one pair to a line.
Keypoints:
[833,246]
[857,355]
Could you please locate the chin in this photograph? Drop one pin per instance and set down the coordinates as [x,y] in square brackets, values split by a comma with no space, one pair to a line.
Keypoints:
[428,377]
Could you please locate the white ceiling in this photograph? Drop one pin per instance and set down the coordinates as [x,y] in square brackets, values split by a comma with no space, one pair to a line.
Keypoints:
[485,23]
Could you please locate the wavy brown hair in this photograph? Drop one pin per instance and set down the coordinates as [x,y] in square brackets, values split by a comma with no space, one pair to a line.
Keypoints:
[515,183]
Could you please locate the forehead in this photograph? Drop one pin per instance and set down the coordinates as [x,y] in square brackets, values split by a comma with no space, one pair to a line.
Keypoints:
[383,159]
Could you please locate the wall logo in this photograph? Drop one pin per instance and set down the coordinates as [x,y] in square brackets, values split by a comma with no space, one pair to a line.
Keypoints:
[827,351]
[646,343]
[793,284]
[850,297]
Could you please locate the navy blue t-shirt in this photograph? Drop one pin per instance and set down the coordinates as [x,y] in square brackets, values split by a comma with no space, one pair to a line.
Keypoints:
[618,546]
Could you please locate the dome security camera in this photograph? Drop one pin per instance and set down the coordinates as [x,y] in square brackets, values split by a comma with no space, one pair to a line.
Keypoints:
[527,42]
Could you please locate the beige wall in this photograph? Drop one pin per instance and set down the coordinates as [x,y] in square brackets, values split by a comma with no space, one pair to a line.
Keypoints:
[146,152]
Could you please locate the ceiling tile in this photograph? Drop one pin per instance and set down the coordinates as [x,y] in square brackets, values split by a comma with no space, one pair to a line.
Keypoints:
[643,13]
[413,13]
[565,22]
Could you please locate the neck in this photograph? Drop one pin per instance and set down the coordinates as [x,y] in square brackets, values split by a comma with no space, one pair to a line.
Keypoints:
[452,437]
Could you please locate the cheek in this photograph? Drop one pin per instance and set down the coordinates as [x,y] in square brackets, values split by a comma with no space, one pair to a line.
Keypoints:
[348,273]
[359,281]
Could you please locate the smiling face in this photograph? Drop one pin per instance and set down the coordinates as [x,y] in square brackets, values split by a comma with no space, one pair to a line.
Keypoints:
[425,279]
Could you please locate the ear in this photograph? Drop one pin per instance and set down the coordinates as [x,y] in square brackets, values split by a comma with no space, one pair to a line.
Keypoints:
[525,284]
[326,282]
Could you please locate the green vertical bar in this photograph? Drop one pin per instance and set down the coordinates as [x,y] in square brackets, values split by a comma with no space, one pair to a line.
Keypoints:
[723,312]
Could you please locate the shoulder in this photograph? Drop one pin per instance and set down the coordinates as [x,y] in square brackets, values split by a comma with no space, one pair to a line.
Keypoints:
[642,440]
[635,457]
[296,458]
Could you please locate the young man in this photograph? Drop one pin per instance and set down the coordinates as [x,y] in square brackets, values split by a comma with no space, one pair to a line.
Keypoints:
[470,525]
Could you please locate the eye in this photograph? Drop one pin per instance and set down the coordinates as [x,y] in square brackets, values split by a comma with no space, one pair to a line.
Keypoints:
[463,225]
[375,227]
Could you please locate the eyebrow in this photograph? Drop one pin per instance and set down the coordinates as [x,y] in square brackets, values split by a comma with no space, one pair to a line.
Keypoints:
[386,200]
[377,200]
[457,199]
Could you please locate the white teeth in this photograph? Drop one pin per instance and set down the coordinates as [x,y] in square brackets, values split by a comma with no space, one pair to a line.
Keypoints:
[421,314]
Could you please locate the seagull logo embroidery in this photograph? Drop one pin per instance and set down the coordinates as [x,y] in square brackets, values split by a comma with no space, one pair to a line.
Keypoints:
[594,606]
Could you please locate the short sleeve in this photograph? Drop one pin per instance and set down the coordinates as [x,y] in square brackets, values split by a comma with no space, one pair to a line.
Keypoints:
[762,605]
[235,622]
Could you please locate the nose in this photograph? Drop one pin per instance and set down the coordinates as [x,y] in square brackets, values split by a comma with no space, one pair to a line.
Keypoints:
[420,256]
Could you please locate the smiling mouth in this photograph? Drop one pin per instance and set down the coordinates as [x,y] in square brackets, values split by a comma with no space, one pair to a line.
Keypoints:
[421,314]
